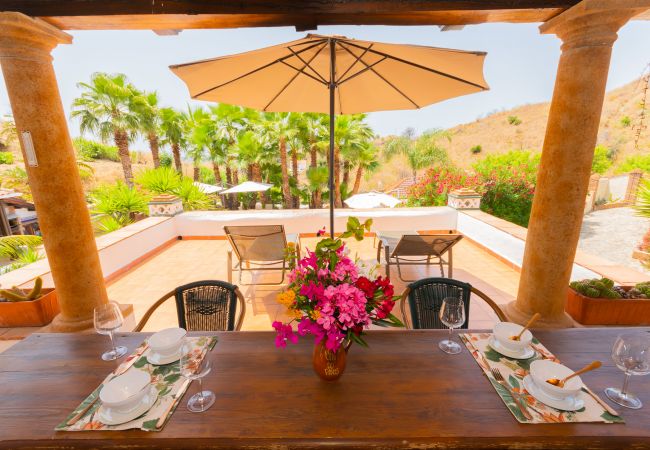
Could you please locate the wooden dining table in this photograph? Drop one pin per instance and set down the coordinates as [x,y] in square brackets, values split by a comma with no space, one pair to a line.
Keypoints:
[401,392]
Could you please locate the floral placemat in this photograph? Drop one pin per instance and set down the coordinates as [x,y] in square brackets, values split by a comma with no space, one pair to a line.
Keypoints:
[165,378]
[514,371]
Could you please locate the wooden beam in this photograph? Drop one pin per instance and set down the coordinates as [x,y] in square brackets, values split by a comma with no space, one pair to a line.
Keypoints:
[201,21]
[149,7]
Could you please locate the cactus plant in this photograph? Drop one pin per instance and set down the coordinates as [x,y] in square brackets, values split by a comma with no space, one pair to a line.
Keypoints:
[18,295]
[594,288]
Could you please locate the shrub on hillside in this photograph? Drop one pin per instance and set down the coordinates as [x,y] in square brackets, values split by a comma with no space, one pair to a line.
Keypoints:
[602,161]
[90,150]
[476,149]
[6,158]
[514,120]
[626,121]
[166,159]
[631,163]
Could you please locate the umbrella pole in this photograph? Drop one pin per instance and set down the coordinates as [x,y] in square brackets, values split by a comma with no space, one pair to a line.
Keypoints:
[332,87]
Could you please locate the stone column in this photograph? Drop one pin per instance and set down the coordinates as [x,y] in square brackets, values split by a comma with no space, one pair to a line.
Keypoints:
[588,31]
[25,46]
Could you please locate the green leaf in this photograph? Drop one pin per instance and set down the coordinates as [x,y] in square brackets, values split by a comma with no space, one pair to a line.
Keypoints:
[610,418]
[174,377]
[141,362]
[150,424]
[358,340]
[513,382]
[492,355]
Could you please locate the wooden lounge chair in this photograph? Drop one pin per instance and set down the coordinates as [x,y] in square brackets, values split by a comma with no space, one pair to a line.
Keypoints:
[425,299]
[413,249]
[259,248]
[209,305]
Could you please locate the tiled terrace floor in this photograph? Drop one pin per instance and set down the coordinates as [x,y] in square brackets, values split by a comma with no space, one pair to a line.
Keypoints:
[193,260]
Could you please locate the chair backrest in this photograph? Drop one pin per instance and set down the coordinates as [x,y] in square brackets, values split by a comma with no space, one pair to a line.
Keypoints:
[257,242]
[206,306]
[425,299]
[425,244]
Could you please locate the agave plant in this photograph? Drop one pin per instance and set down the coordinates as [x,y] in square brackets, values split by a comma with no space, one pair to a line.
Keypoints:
[119,202]
[161,180]
[193,198]
[20,250]
[643,199]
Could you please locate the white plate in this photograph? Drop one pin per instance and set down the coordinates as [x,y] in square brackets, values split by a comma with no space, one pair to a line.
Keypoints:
[112,416]
[571,403]
[525,354]
[160,360]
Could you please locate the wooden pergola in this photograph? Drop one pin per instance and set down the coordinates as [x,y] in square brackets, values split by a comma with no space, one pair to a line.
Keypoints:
[30,29]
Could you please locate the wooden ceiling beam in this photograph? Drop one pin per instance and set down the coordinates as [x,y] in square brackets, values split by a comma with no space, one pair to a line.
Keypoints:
[61,8]
[207,21]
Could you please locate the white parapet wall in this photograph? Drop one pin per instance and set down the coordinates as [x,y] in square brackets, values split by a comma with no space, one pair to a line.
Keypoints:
[211,223]
[504,244]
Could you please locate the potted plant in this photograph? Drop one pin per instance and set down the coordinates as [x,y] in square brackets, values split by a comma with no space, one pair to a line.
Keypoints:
[599,302]
[33,308]
[330,299]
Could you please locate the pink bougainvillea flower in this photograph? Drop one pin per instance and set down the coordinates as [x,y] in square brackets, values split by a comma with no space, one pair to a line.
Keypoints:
[284,334]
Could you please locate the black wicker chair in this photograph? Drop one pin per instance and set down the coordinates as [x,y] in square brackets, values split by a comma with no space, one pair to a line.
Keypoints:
[425,299]
[204,306]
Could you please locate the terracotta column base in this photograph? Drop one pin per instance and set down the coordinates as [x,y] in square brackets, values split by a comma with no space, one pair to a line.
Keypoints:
[516,315]
[62,324]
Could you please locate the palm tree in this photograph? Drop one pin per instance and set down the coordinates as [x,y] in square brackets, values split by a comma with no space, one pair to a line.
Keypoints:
[171,126]
[228,123]
[366,160]
[281,128]
[105,108]
[145,104]
[312,128]
[420,152]
[194,127]
[350,132]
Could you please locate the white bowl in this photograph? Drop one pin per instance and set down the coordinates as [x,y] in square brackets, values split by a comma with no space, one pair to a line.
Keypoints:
[125,391]
[504,330]
[543,369]
[167,341]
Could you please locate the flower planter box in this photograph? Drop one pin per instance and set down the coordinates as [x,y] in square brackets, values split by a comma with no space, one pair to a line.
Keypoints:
[33,313]
[605,311]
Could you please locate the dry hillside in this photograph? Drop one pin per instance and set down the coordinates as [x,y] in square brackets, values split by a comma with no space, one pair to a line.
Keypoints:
[496,135]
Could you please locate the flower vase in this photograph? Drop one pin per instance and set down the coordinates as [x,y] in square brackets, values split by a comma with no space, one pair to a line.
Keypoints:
[329,365]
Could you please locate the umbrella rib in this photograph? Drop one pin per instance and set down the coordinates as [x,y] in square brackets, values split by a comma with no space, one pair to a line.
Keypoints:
[419,66]
[382,78]
[304,73]
[294,77]
[354,63]
[365,69]
[256,70]
[307,64]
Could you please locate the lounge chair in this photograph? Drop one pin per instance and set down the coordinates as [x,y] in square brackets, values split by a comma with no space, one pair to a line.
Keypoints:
[259,248]
[204,306]
[425,299]
[413,249]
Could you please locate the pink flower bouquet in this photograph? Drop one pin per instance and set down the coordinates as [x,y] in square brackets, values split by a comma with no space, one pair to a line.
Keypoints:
[329,299]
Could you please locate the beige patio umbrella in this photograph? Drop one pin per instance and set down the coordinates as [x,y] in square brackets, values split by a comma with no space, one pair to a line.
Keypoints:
[335,75]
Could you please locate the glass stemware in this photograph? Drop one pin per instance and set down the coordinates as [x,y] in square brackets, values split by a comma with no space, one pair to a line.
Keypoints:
[194,368]
[107,319]
[631,354]
[452,314]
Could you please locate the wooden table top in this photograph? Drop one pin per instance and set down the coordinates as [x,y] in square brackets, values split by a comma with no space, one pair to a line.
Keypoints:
[401,392]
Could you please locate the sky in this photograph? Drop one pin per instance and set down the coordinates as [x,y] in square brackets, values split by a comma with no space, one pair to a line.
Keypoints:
[520,65]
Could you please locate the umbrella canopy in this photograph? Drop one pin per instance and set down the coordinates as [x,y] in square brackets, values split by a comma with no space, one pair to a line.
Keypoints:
[335,75]
[208,188]
[247,186]
[372,200]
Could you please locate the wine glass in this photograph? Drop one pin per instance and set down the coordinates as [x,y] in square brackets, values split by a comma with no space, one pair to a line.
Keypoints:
[195,368]
[452,314]
[108,318]
[631,354]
